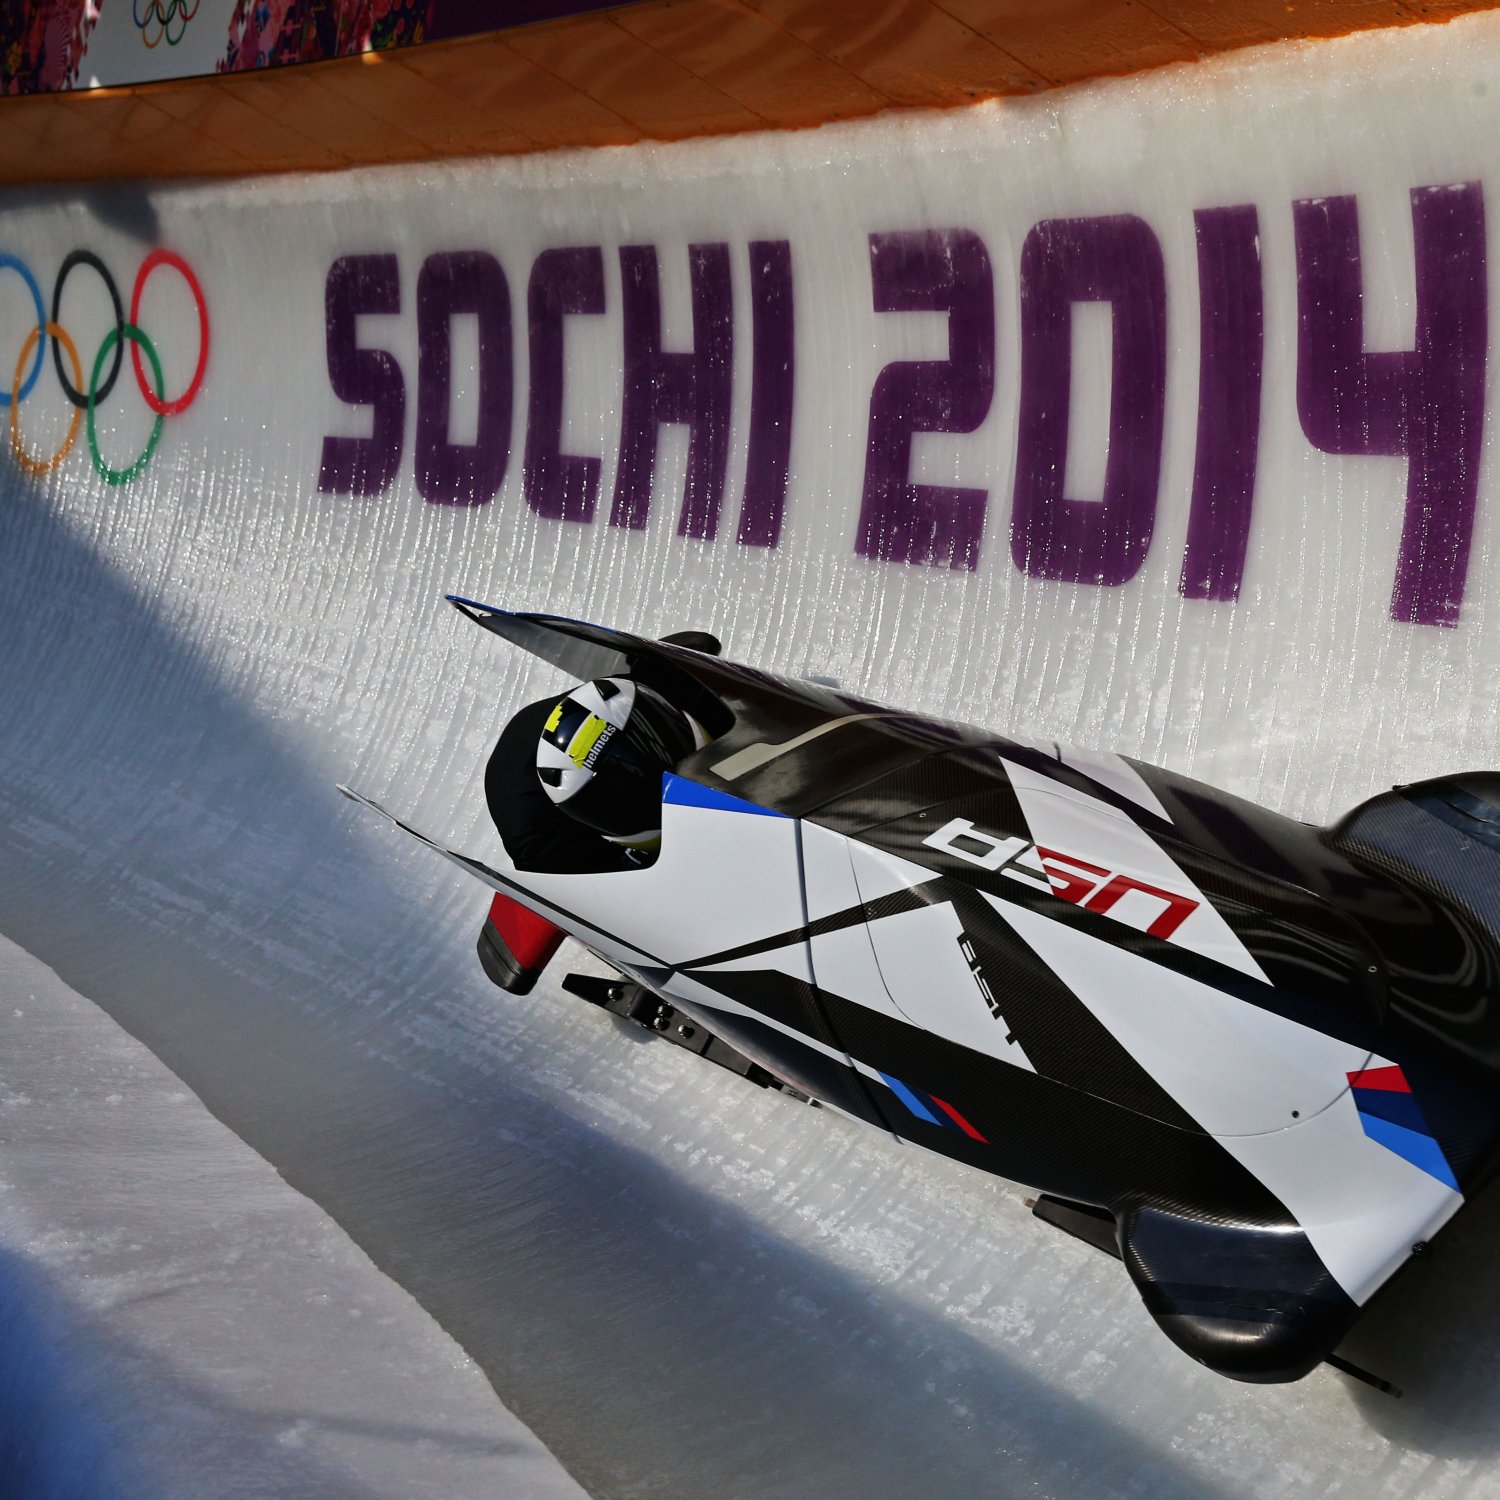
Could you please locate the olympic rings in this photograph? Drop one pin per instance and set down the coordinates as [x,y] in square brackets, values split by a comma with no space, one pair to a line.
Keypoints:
[100,384]
[30,465]
[162,15]
[24,272]
[80,398]
[151,262]
[134,334]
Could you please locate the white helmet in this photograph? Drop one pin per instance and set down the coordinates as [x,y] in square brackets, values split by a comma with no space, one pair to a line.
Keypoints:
[603,751]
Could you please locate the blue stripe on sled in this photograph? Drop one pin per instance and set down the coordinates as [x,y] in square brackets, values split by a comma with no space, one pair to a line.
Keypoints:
[911,1101]
[1398,1109]
[685,793]
[1420,1150]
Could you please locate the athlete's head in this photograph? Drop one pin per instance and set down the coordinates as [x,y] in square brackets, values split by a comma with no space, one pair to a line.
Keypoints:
[603,751]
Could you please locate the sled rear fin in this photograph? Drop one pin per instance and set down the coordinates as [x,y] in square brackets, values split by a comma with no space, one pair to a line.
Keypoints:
[491,878]
[504,884]
[574,645]
[587,651]
[581,650]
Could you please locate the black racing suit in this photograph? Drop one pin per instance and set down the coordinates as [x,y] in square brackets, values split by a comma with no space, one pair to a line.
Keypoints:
[537,834]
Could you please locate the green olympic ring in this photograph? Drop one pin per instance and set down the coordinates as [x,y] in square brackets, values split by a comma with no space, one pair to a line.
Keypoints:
[114,342]
[113,337]
[163,15]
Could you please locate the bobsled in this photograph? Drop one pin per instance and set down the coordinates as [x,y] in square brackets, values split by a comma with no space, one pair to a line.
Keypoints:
[1254,1058]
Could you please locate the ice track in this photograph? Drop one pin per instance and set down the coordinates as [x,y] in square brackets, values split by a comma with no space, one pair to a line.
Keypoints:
[178,1324]
[684,1286]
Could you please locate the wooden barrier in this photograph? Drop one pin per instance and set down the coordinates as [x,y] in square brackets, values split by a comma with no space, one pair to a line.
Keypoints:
[664,70]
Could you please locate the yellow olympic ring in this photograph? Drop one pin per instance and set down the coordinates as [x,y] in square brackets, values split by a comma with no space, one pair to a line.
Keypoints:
[30,465]
[85,401]
[163,16]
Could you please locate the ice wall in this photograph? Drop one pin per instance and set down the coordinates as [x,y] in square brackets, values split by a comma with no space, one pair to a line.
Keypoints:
[1148,415]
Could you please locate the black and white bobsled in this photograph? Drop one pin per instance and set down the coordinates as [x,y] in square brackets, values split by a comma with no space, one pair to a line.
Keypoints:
[1256,1057]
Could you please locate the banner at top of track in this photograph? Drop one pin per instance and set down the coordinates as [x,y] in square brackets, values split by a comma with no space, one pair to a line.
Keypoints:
[52,45]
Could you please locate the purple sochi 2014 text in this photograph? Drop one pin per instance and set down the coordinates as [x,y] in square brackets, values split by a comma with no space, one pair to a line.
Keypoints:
[1424,404]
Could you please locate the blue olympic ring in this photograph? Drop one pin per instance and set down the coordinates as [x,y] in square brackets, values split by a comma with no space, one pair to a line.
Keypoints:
[88,400]
[163,16]
[23,271]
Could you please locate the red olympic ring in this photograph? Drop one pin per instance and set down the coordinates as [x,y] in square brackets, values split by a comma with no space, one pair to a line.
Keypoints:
[155,402]
[44,328]
[163,16]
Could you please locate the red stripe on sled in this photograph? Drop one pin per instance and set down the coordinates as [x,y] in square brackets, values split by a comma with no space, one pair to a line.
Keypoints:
[531,939]
[958,1119]
[1388,1080]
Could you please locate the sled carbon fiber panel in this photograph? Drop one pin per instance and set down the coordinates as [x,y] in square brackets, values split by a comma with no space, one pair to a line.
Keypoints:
[1255,1304]
[800,1065]
[1441,949]
[1319,961]
[1062,1038]
[1092,1151]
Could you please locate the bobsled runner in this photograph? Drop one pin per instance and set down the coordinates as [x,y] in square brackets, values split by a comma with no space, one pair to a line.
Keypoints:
[1255,1058]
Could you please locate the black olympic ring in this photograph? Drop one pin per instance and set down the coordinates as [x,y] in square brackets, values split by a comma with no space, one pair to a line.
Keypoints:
[87,258]
[114,341]
[163,15]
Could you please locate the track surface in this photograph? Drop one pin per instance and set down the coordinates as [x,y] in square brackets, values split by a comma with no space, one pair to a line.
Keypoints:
[180,1325]
[682,1285]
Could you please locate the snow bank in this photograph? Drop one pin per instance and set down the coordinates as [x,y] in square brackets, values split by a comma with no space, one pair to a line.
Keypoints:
[175,1321]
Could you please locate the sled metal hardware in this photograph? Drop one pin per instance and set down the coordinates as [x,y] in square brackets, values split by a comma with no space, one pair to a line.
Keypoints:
[634,1002]
[1348,1367]
[1096,1228]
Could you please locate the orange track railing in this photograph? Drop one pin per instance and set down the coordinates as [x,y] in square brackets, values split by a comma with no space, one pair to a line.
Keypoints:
[662,70]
